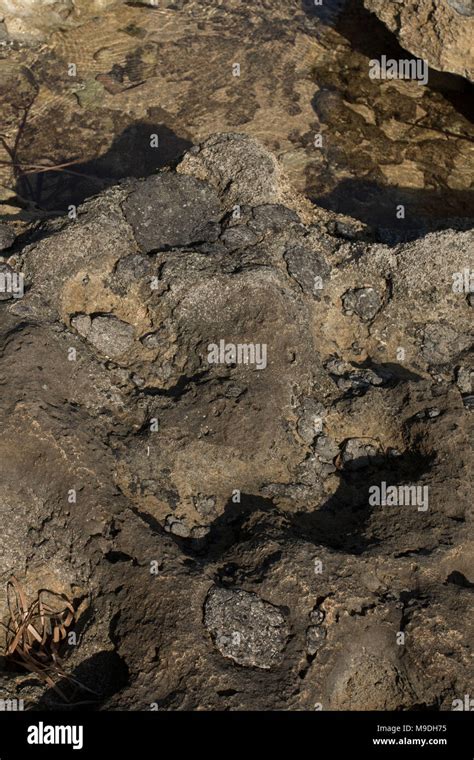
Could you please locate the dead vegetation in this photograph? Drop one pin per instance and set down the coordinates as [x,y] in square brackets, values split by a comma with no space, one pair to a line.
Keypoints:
[36,631]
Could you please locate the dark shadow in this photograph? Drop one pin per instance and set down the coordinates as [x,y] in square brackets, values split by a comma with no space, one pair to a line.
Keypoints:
[390,374]
[338,524]
[367,196]
[96,679]
[391,371]
[328,12]
[130,155]
[369,36]
[341,522]
[376,205]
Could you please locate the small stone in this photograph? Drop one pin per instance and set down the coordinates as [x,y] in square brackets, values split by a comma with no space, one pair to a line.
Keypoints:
[357,453]
[82,324]
[176,527]
[316,616]
[244,628]
[441,343]
[325,449]
[315,636]
[365,302]
[310,421]
[7,237]
[152,340]
[465,379]
[238,237]
[110,336]
[200,531]
[205,505]
[172,210]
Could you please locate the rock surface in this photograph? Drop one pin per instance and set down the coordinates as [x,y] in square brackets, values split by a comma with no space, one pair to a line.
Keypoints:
[439,31]
[194,408]
[127,91]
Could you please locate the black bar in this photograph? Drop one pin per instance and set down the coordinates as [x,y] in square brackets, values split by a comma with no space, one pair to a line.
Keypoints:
[135,734]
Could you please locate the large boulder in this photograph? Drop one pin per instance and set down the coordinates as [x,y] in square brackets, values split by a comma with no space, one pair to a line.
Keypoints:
[439,31]
[204,402]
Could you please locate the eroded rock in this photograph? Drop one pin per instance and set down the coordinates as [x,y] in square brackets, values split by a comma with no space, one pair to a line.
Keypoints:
[245,628]
[211,507]
[439,31]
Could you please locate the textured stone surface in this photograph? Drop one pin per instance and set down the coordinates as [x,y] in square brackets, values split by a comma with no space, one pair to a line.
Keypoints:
[216,498]
[168,72]
[440,31]
[245,628]
[169,210]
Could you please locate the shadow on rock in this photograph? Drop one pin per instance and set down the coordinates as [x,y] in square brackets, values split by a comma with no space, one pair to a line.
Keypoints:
[132,154]
[376,204]
[339,524]
[93,681]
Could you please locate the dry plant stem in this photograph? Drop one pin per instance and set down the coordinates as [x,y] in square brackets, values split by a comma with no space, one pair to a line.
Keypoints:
[35,632]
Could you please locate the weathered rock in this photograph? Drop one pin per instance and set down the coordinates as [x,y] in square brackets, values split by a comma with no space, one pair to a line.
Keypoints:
[439,31]
[365,302]
[110,336]
[245,628]
[211,501]
[169,210]
[7,237]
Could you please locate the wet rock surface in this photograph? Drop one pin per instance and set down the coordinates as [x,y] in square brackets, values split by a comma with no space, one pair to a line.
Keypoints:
[151,81]
[206,506]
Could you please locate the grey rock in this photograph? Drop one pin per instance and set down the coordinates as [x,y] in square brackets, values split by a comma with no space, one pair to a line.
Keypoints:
[7,237]
[177,527]
[302,500]
[238,237]
[442,343]
[315,637]
[248,630]
[310,421]
[82,323]
[308,268]
[358,453]
[326,449]
[348,378]
[205,505]
[200,531]
[110,336]
[241,169]
[365,302]
[465,379]
[272,218]
[316,616]
[129,270]
[464,7]
[171,210]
